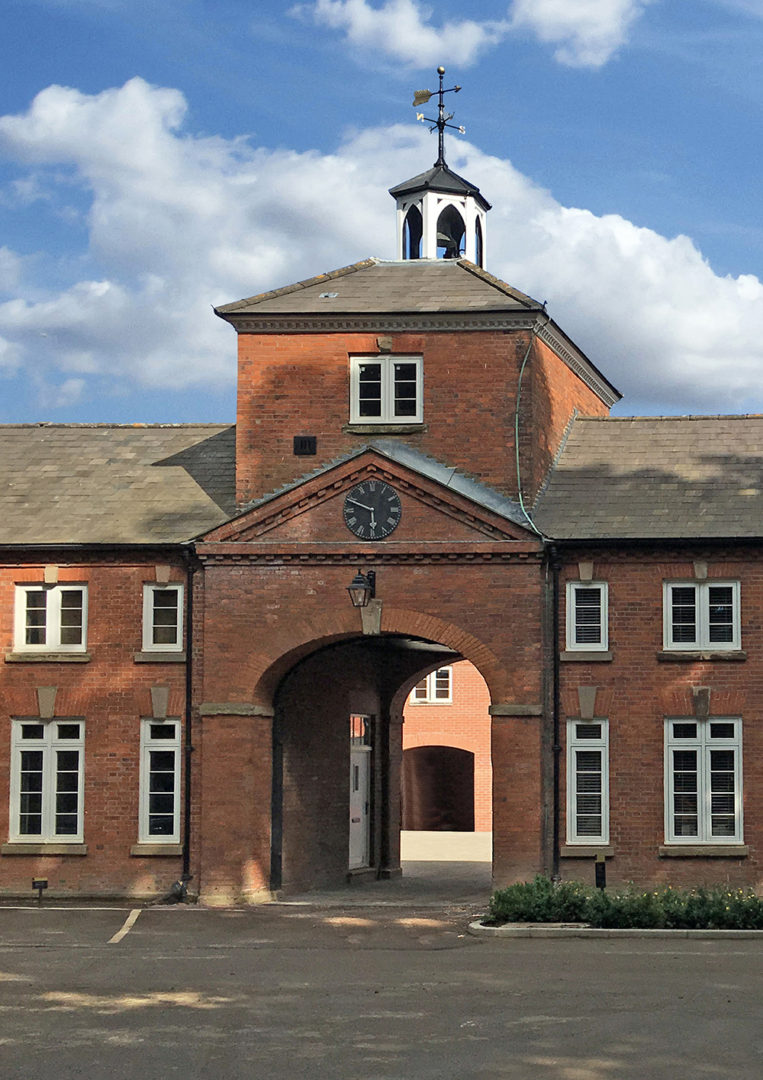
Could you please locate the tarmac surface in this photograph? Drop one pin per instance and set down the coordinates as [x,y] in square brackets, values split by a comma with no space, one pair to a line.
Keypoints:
[383,983]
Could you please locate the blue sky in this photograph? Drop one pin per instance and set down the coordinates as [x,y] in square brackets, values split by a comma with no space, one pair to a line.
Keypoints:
[157,159]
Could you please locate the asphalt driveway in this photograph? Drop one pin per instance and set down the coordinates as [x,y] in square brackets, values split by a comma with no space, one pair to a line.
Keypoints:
[393,992]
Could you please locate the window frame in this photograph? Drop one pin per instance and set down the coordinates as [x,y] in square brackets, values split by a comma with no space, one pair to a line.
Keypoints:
[52,625]
[49,746]
[703,743]
[149,590]
[572,644]
[387,415]
[574,744]
[145,836]
[702,616]
[430,687]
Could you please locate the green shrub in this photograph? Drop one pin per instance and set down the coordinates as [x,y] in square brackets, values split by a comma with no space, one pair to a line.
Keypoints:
[542,901]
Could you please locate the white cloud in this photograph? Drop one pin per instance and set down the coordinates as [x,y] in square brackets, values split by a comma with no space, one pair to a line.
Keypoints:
[179,222]
[586,32]
[401,29]
[10,269]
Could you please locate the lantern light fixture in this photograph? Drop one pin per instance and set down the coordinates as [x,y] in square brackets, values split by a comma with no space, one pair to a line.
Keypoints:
[362,588]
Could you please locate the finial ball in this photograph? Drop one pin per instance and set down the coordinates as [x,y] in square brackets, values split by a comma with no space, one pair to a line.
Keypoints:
[441,70]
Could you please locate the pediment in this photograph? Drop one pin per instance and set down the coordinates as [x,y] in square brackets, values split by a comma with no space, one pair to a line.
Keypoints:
[312,511]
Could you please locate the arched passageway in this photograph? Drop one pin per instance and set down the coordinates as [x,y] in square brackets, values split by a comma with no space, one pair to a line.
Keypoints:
[438,789]
[338,760]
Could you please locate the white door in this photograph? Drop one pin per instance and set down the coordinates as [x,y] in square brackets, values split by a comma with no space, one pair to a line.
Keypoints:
[360,777]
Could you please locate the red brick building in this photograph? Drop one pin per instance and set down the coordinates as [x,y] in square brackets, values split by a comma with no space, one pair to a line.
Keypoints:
[447,779]
[188,692]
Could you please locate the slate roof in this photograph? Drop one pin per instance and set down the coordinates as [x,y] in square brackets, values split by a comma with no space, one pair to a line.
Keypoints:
[689,477]
[417,286]
[100,483]
[439,178]
[644,478]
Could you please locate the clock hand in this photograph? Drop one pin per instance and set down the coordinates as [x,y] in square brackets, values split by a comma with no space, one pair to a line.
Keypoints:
[361,505]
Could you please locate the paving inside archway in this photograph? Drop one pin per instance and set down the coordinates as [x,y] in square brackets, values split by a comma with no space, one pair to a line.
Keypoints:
[439,870]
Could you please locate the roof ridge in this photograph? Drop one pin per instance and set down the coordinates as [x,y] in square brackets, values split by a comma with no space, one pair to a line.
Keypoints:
[307,283]
[498,283]
[136,425]
[683,416]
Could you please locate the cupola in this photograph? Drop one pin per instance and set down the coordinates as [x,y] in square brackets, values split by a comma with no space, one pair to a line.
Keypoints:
[440,215]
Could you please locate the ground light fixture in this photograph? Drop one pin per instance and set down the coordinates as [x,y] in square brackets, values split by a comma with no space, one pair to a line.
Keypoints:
[362,588]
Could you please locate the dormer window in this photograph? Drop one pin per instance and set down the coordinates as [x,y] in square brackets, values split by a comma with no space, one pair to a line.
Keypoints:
[386,390]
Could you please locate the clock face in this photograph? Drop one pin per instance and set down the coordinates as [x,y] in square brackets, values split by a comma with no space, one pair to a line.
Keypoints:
[372,510]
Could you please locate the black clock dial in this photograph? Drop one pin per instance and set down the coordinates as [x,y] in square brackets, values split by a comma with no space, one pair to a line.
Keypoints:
[372,510]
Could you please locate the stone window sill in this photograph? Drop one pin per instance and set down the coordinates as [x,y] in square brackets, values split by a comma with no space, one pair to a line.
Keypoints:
[47,658]
[588,656]
[17,848]
[703,851]
[586,851]
[384,429]
[150,850]
[679,656]
[159,657]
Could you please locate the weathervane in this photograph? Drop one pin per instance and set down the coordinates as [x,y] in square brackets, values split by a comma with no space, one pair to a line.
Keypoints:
[421,97]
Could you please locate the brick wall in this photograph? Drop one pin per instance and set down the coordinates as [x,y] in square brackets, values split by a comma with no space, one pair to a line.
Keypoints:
[298,384]
[639,688]
[464,723]
[111,692]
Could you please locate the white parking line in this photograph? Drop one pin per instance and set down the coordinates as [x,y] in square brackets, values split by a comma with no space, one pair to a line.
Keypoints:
[127,926]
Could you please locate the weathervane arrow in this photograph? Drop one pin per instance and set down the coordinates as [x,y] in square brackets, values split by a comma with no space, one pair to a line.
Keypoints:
[421,97]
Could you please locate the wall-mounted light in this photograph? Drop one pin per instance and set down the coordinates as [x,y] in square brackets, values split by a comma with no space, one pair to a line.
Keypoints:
[362,588]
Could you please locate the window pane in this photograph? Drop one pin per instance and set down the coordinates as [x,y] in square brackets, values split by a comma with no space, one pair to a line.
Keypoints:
[721,613]
[684,731]
[587,731]
[369,390]
[441,681]
[67,788]
[30,800]
[685,826]
[166,621]
[588,782]
[721,731]
[160,826]
[589,804]
[162,731]
[68,731]
[162,782]
[405,380]
[589,826]
[32,731]
[71,616]
[685,761]
[588,760]
[683,614]
[36,616]
[162,760]
[587,616]
[161,803]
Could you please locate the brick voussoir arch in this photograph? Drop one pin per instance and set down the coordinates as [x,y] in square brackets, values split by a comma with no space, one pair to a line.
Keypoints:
[266,670]
[427,626]
[269,668]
